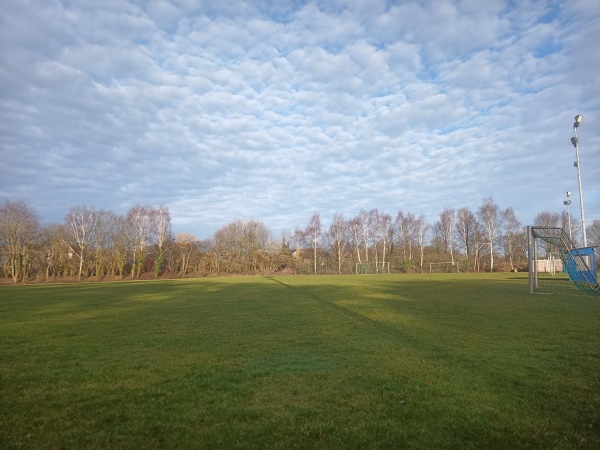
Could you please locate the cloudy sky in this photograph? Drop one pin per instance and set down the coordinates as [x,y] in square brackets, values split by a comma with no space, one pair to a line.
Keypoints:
[275,109]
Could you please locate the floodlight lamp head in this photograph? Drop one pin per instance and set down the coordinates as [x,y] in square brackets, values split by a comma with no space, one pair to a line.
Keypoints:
[568,193]
[578,120]
[567,202]
[574,141]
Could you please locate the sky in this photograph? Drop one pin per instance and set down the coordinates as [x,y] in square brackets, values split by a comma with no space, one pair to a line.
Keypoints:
[268,110]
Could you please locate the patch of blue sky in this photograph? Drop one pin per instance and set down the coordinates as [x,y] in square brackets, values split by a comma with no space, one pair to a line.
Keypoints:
[282,11]
[450,129]
[333,46]
[551,14]
[492,109]
[427,72]
[547,48]
[527,86]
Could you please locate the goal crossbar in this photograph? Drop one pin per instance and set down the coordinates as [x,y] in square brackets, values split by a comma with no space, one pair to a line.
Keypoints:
[372,268]
[448,267]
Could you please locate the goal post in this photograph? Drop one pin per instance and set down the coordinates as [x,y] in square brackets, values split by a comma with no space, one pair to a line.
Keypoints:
[372,268]
[556,264]
[444,267]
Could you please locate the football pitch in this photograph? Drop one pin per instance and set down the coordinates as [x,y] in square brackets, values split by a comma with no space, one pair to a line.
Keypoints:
[352,362]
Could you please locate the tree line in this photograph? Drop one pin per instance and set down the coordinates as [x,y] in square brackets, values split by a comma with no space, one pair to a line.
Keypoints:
[97,244]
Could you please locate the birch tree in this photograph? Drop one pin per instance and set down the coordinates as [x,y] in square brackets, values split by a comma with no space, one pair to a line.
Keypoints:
[314,232]
[82,222]
[141,220]
[422,229]
[489,214]
[512,230]
[338,235]
[383,231]
[354,230]
[367,221]
[402,237]
[406,224]
[446,223]
[162,220]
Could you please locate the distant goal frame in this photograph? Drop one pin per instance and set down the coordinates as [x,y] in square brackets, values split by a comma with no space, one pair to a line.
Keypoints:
[372,268]
[450,264]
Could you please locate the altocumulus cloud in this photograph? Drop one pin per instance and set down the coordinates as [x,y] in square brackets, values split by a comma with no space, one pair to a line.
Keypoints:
[275,110]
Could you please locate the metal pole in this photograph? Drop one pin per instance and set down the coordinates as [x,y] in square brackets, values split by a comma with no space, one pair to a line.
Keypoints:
[530,259]
[569,217]
[536,278]
[568,203]
[576,144]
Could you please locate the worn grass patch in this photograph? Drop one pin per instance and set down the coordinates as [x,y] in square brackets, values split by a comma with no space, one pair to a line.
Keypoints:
[423,361]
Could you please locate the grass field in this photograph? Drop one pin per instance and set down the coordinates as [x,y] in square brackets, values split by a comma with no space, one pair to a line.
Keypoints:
[389,361]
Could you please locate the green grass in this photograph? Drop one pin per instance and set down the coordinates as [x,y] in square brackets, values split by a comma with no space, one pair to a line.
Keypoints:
[390,361]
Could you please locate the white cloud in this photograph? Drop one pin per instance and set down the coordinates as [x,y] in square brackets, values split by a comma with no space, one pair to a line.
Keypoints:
[274,110]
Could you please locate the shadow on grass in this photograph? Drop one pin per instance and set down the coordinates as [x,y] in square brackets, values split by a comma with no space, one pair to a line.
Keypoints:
[353,361]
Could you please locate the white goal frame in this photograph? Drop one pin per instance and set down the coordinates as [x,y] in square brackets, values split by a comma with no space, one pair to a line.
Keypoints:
[577,267]
[449,264]
[372,268]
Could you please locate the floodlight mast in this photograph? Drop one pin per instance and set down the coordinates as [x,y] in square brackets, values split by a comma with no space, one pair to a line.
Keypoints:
[567,203]
[575,142]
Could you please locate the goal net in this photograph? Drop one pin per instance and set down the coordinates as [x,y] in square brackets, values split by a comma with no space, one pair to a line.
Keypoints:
[372,268]
[444,267]
[556,265]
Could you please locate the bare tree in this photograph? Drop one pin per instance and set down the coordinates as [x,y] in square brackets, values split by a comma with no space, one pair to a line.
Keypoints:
[298,239]
[262,245]
[56,251]
[422,229]
[123,245]
[354,229]
[241,245]
[446,227]
[382,231]
[163,232]
[185,243]
[313,230]
[466,230]
[103,236]
[338,236]
[512,230]
[406,226]
[593,233]
[547,219]
[402,235]
[231,248]
[489,214]
[19,232]
[379,233]
[366,221]
[82,222]
[572,226]
[480,246]
[142,222]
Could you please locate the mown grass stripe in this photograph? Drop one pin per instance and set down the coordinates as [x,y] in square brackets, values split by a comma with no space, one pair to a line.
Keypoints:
[442,361]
